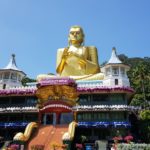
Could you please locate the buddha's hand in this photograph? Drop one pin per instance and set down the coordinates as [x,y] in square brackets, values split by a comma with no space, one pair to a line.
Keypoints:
[82,63]
[79,58]
[65,55]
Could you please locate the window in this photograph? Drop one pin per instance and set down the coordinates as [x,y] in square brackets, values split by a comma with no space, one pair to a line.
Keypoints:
[85,117]
[6,75]
[31,101]
[117,99]
[4,86]
[117,116]
[19,77]
[79,117]
[107,71]
[95,117]
[66,118]
[15,118]
[100,98]
[115,71]
[31,117]
[83,99]
[116,81]
[17,100]
[4,118]
[102,116]
[13,76]
[4,101]
[0,76]
[122,71]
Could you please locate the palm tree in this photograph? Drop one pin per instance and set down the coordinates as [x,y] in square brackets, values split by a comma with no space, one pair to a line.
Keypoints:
[141,79]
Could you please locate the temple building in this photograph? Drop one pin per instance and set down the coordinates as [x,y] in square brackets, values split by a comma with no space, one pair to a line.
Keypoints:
[101,109]
[11,76]
[17,103]
[103,104]
[115,71]
[59,110]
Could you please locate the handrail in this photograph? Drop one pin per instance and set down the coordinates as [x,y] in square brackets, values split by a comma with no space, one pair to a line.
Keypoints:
[26,135]
[71,129]
[71,132]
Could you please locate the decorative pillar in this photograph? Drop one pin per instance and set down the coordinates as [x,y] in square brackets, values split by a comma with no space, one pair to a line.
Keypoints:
[17,77]
[58,117]
[111,71]
[9,80]
[75,116]
[39,118]
[2,76]
[120,72]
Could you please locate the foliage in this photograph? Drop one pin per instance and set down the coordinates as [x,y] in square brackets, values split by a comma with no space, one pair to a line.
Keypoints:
[14,147]
[144,127]
[26,80]
[83,138]
[144,130]
[145,115]
[104,63]
[133,146]
[123,58]
[139,76]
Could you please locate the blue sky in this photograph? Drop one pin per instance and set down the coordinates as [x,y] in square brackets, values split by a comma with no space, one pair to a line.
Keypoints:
[35,29]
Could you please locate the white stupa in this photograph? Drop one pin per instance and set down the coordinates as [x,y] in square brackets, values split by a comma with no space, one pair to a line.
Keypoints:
[11,76]
[115,71]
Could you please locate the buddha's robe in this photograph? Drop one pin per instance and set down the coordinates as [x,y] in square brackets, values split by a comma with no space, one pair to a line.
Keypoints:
[75,61]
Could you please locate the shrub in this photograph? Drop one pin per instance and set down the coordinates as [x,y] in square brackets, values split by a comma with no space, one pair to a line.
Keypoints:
[133,146]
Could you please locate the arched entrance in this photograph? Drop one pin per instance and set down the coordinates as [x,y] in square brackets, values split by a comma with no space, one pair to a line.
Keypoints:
[49,118]
[55,112]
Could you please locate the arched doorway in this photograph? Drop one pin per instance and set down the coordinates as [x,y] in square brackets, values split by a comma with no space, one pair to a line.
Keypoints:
[49,118]
[55,112]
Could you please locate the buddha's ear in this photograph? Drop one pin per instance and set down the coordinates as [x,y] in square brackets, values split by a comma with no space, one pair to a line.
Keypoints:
[83,43]
[69,42]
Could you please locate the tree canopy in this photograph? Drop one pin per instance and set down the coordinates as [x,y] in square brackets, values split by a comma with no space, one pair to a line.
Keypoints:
[139,76]
[26,80]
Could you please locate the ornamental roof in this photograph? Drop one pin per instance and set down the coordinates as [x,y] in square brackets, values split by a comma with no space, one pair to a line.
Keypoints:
[18,91]
[12,63]
[114,58]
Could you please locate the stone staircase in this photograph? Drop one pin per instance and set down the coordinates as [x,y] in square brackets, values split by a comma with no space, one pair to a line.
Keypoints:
[47,136]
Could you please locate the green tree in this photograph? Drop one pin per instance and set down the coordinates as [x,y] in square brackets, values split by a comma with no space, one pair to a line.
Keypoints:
[123,58]
[139,76]
[26,80]
[140,81]
[144,126]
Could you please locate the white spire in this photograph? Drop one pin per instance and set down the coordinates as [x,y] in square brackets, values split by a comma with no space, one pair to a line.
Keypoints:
[12,63]
[114,58]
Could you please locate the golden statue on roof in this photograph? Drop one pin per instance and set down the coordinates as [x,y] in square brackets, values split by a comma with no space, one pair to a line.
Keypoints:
[78,61]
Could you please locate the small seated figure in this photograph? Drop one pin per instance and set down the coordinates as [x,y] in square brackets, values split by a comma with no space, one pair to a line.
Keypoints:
[78,61]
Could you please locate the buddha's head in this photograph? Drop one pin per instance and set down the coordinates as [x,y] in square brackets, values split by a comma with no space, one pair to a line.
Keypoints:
[76,36]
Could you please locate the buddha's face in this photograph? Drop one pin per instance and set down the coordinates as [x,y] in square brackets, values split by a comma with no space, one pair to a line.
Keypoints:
[76,36]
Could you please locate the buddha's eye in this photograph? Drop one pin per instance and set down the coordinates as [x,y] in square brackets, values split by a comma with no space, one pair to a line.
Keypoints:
[72,33]
[78,32]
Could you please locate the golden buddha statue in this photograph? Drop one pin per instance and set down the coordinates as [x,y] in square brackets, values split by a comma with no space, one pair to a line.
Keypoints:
[77,61]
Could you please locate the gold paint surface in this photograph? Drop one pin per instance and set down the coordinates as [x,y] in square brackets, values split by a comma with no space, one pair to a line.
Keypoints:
[26,135]
[57,92]
[77,60]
